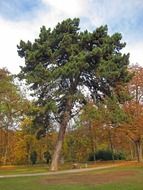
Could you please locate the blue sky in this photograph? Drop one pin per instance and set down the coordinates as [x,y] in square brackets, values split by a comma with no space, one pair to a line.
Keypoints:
[22,19]
[19,9]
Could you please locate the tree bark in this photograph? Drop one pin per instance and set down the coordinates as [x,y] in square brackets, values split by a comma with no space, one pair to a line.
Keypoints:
[61,135]
[138,151]
[58,148]
[131,151]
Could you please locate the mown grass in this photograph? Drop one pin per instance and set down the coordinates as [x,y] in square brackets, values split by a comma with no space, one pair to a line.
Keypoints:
[129,182]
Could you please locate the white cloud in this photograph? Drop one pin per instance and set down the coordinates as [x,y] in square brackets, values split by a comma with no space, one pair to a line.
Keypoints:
[112,11]
[11,34]
[71,8]
[136,52]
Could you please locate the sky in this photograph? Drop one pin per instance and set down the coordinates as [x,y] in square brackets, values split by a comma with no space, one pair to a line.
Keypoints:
[22,19]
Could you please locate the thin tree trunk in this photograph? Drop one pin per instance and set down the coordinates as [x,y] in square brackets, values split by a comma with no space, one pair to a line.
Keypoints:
[61,135]
[5,156]
[111,144]
[131,152]
[93,146]
[138,151]
[6,147]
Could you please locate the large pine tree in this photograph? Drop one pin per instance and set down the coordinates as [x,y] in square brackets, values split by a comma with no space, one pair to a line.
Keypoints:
[61,63]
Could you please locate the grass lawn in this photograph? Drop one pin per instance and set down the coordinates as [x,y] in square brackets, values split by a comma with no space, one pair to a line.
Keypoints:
[120,178]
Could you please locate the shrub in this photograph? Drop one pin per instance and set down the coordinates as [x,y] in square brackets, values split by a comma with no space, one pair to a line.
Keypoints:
[106,155]
[47,157]
[33,157]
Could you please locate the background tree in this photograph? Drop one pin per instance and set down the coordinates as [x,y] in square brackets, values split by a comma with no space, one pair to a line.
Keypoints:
[91,120]
[102,121]
[62,63]
[134,109]
[12,106]
[77,145]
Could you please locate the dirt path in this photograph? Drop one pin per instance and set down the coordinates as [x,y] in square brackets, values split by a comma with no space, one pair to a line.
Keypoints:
[61,172]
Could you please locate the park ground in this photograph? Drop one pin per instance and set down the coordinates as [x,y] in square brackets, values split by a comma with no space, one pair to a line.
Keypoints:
[125,176]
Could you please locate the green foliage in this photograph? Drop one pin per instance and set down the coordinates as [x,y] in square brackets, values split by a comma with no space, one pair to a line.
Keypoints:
[74,141]
[113,112]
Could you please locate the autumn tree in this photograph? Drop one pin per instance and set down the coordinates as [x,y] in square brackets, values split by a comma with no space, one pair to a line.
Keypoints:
[12,106]
[102,120]
[91,121]
[134,109]
[62,62]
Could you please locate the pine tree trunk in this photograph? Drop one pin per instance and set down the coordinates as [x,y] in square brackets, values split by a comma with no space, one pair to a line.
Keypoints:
[60,140]
[138,151]
[58,148]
